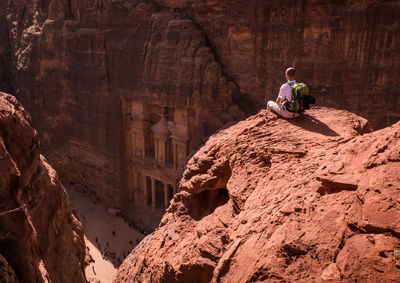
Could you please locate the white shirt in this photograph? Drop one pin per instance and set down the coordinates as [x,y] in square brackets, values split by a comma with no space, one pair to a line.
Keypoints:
[285,92]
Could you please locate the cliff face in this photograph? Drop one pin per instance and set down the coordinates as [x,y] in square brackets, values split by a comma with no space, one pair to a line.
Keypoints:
[345,50]
[270,199]
[90,61]
[40,239]
[5,61]
[79,65]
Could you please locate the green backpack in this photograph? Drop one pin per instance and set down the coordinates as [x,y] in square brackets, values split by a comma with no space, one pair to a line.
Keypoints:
[301,99]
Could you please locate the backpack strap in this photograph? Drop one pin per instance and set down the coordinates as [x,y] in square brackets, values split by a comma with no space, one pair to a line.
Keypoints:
[294,104]
[291,83]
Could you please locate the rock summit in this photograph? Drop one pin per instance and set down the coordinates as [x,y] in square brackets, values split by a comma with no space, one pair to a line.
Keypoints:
[311,199]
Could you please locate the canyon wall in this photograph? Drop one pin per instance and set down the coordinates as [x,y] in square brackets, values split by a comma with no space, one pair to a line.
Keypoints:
[319,205]
[80,67]
[40,239]
[346,51]
[5,50]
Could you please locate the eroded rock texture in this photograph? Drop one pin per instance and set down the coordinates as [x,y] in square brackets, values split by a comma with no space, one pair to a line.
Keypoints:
[90,61]
[267,199]
[75,65]
[40,239]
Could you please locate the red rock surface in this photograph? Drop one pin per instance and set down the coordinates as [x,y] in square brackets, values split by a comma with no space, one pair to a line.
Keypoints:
[40,239]
[72,62]
[312,199]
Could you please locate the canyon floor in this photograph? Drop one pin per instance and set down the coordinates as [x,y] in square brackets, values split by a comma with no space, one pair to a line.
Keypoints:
[109,239]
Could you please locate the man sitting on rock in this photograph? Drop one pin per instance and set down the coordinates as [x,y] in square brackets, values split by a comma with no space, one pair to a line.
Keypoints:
[285,94]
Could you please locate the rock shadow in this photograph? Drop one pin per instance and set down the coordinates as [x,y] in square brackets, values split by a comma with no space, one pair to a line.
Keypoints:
[206,202]
[312,124]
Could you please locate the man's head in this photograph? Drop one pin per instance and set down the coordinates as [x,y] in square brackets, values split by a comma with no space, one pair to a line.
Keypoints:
[290,73]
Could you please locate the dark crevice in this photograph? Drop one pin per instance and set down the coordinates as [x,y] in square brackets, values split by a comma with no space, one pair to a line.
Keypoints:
[361,201]
[6,77]
[206,202]
[107,65]
[68,11]
[20,22]
[382,254]
[243,100]
[206,254]
[236,206]
[331,187]
[35,175]
[192,272]
[369,229]
[148,39]
[340,247]
[292,251]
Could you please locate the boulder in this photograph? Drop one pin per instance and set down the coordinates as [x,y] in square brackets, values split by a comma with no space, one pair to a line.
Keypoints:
[310,199]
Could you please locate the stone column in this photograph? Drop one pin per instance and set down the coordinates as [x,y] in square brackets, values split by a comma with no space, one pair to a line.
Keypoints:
[153,194]
[166,196]
[161,132]
[175,189]
[174,155]
[156,151]
[139,129]
[144,181]
[134,144]
[130,185]
[136,186]
[180,151]
[144,146]
[163,139]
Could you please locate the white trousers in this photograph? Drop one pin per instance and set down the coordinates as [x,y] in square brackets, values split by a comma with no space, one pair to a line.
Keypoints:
[272,105]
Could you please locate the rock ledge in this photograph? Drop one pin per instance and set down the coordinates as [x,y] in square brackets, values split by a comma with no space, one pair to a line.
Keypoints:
[312,199]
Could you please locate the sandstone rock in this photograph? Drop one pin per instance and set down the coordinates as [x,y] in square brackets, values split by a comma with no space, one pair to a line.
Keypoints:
[367,257]
[330,273]
[268,220]
[7,274]
[73,64]
[40,239]
[108,54]
[338,48]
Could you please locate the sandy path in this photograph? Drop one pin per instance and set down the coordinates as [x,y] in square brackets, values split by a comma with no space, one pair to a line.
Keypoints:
[108,237]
